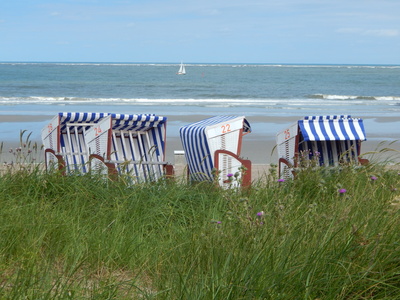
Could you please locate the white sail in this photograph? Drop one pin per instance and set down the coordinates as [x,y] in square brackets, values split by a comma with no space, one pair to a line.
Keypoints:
[182,70]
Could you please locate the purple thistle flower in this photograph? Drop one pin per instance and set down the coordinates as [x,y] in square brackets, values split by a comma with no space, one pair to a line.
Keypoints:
[219,222]
[373,178]
[342,191]
[229,175]
[260,214]
[281,180]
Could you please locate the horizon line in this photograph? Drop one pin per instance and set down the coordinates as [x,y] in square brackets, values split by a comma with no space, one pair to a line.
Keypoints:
[197,63]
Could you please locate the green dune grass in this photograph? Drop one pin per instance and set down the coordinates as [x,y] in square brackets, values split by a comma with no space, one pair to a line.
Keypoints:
[329,234]
[332,233]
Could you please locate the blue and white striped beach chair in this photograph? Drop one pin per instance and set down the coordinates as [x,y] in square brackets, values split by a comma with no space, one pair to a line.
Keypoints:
[212,146]
[64,141]
[114,143]
[327,140]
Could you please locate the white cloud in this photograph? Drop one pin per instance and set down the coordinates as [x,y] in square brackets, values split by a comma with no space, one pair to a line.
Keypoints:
[382,32]
[370,32]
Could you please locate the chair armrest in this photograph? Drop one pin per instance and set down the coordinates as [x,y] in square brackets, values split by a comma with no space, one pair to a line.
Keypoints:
[60,160]
[288,164]
[112,171]
[246,175]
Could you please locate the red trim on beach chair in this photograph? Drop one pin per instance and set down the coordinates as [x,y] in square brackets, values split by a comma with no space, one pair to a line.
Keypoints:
[246,175]
[60,160]
[112,171]
[288,164]
[169,170]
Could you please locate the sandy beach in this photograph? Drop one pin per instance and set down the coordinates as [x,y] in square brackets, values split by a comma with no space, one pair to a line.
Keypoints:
[258,146]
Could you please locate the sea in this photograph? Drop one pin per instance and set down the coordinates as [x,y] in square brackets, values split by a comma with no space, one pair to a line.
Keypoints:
[265,93]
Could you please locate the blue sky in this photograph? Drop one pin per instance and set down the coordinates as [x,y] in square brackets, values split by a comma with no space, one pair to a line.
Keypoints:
[207,31]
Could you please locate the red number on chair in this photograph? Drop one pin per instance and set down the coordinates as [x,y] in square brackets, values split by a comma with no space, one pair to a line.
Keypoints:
[287,134]
[226,128]
[50,127]
[97,131]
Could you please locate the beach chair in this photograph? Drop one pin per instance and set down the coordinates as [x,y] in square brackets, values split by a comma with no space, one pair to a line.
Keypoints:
[108,143]
[130,144]
[64,141]
[323,140]
[212,149]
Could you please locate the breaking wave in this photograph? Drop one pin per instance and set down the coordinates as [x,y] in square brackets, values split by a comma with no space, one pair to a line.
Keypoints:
[353,97]
[221,101]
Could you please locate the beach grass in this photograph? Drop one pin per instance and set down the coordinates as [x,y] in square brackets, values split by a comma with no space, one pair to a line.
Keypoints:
[328,234]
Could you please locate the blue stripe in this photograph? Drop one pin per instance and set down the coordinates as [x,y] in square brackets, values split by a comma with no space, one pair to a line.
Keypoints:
[314,131]
[188,149]
[353,130]
[316,122]
[333,129]
[323,130]
[303,130]
[158,135]
[343,130]
[360,123]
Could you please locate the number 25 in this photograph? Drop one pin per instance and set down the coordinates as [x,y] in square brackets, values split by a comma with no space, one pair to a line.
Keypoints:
[287,134]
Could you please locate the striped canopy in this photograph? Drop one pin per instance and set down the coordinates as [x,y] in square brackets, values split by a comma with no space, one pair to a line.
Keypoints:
[332,128]
[196,144]
[203,124]
[76,135]
[140,122]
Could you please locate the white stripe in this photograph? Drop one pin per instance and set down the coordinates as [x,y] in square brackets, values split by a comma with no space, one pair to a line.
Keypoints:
[348,130]
[80,117]
[328,130]
[338,131]
[358,129]
[318,130]
[308,129]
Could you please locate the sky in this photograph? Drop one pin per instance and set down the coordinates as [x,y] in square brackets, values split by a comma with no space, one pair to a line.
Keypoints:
[206,31]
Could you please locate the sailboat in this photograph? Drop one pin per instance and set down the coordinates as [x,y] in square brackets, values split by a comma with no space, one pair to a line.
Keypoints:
[182,70]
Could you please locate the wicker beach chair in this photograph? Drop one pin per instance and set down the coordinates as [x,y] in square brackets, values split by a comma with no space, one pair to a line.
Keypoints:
[322,140]
[108,143]
[212,149]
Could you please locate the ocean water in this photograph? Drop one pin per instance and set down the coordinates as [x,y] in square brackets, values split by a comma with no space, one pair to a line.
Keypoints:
[253,90]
